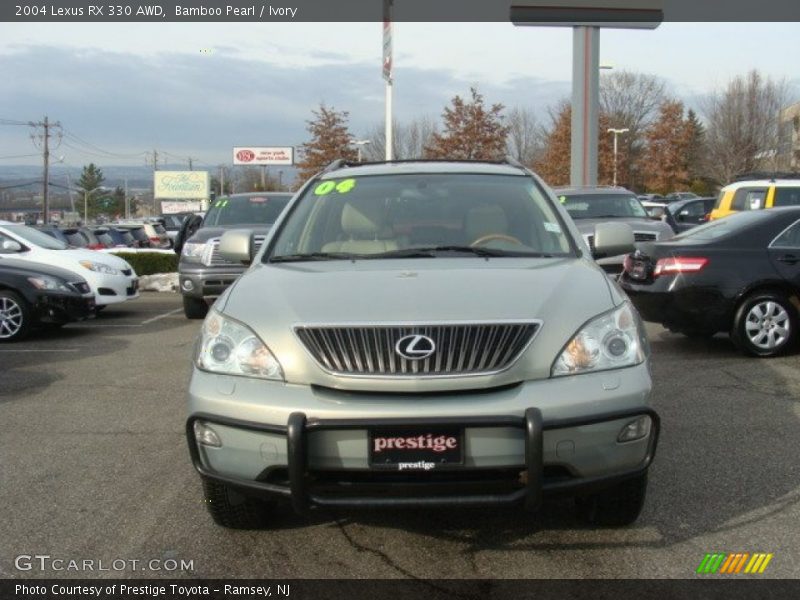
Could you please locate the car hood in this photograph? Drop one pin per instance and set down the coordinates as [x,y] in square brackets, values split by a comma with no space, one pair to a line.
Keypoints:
[26,267]
[204,234]
[71,257]
[563,293]
[586,226]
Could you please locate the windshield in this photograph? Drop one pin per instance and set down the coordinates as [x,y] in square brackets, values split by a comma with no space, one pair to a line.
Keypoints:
[415,215]
[246,209]
[602,206]
[723,227]
[36,237]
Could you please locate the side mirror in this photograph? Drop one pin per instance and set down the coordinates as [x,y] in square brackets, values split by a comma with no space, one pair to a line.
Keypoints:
[238,246]
[612,239]
[10,247]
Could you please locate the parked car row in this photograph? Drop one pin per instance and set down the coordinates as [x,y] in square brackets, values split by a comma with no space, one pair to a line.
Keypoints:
[60,273]
[116,235]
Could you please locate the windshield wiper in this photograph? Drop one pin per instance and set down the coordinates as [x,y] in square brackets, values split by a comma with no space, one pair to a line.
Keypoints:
[432,251]
[313,256]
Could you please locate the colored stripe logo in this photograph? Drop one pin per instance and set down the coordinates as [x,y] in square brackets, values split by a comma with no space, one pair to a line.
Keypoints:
[734,563]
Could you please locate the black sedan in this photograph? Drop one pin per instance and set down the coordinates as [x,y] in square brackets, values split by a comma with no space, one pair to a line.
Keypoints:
[739,275]
[33,294]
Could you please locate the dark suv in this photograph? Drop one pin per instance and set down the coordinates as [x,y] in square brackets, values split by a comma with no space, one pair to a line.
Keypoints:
[204,274]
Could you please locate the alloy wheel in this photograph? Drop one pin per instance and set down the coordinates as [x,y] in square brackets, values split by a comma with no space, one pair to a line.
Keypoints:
[767,325]
[10,318]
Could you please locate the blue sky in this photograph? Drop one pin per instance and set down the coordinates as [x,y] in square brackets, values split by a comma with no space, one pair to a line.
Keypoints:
[199,89]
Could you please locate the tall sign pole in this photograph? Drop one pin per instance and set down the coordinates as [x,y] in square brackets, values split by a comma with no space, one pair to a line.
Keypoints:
[585,105]
[586,18]
[387,74]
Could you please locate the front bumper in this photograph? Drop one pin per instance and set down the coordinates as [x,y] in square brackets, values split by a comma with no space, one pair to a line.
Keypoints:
[63,308]
[207,282]
[317,457]
[113,289]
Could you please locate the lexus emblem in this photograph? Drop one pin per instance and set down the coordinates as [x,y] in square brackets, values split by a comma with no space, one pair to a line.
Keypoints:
[415,347]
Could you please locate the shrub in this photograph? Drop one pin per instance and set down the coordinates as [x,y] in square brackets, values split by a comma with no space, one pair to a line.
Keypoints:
[149,263]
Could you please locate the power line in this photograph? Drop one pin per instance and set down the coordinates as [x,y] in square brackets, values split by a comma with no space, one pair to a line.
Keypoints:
[13,122]
[17,156]
[97,148]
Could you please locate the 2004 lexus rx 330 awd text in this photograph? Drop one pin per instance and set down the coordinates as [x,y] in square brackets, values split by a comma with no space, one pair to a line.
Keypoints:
[422,334]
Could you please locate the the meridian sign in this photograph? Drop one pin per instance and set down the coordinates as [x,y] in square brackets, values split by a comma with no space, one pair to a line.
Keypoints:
[263,155]
[190,185]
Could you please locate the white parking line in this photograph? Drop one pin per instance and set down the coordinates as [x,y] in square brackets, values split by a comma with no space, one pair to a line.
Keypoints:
[17,350]
[164,316]
[92,325]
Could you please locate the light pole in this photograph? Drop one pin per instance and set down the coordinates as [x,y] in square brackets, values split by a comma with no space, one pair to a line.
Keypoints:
[616,132]
[359,143]
[86,195]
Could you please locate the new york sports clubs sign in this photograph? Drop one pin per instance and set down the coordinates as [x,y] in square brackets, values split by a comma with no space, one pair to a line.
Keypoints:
[263,155]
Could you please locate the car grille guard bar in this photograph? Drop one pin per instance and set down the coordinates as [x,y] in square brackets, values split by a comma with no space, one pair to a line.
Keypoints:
[530,495]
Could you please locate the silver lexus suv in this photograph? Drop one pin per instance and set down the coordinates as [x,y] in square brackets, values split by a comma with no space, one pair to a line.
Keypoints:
[422,334]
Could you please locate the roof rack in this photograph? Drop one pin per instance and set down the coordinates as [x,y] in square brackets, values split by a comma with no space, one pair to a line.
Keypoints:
[335,165]
[771,175]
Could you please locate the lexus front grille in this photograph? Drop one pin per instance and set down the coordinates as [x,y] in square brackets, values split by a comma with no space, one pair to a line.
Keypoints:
[458,349]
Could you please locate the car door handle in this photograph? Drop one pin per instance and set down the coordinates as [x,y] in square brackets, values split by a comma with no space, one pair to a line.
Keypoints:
[789,259]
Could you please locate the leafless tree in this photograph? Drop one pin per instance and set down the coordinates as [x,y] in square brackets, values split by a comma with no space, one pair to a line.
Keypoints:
[631,101]
[409,140]
[526,136]
[743,126]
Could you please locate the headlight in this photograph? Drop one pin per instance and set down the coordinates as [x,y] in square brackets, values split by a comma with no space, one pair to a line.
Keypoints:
[99,267]
[193,251]
[227,346]
[612,340]
[48,283]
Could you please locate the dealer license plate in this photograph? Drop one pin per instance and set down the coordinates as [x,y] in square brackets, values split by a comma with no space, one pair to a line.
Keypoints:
[638,270]
[416,449]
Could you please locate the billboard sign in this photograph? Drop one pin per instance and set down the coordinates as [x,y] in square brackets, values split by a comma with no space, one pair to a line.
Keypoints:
[263,155]
[174,185]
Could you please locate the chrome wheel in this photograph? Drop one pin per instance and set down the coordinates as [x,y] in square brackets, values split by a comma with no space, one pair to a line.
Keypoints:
[11,318]
[767,325]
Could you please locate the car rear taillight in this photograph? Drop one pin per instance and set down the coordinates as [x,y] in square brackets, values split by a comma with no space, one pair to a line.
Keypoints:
[155,239]
[679,264]
[96,246]
[705,218]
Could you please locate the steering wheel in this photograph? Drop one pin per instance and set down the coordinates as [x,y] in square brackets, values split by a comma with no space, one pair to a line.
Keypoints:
[496,236]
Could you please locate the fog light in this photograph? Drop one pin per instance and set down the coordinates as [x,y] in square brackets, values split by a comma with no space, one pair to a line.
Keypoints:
[635,430]
[206,436]
[187,285]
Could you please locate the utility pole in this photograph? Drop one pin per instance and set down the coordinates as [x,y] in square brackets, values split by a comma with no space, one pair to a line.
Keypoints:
[46,126]
[190,159]
[127,203]
[222,180]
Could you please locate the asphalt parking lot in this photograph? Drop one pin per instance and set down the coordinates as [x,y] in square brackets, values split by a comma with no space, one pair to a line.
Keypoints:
[94,465]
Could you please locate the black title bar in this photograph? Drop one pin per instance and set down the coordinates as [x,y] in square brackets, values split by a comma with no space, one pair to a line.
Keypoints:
[280,11]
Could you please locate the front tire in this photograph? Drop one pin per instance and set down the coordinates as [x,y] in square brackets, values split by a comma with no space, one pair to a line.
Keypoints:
[15,317]
[765,324]
[615,507]
[194,308]
[229,508]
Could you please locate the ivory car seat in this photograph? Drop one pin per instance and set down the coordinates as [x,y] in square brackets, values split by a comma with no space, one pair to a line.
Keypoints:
[364,230]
